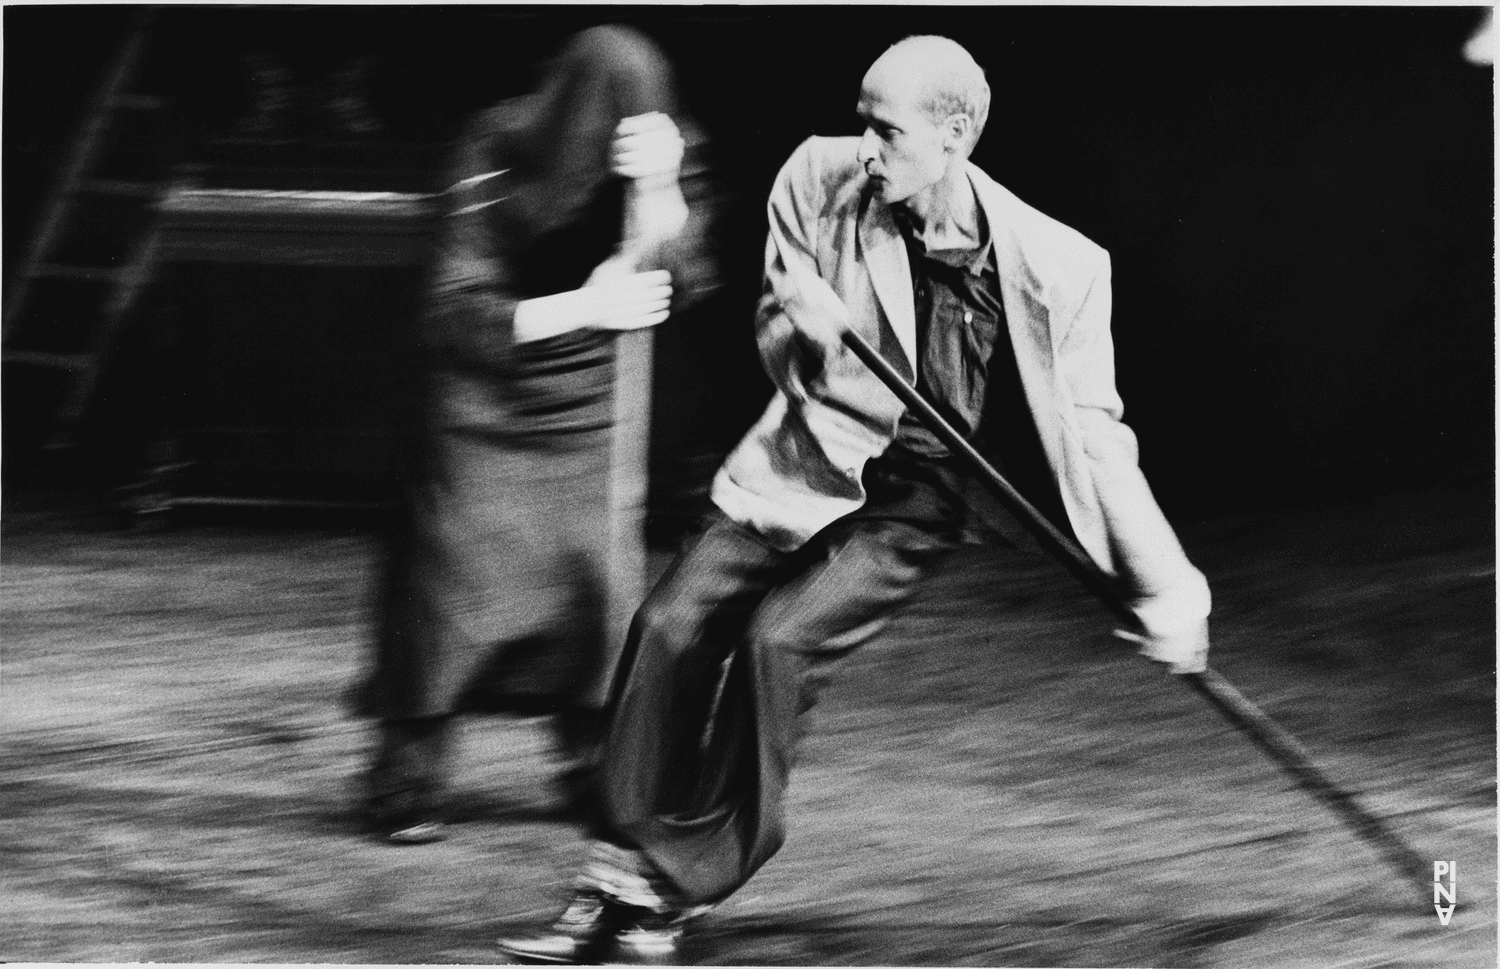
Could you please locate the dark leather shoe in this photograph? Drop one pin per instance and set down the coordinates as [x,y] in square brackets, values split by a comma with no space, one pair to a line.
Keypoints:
[595,930]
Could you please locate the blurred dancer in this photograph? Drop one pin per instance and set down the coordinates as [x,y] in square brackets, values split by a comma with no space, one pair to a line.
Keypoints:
[837,502]
[565,226]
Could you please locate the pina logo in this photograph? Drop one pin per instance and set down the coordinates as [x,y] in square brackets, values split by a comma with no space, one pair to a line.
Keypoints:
[1441,894]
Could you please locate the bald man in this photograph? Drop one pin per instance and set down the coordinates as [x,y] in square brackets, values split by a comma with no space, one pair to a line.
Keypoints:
[837,501]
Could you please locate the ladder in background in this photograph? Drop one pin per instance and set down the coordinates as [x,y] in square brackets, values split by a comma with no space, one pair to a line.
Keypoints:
[94,247]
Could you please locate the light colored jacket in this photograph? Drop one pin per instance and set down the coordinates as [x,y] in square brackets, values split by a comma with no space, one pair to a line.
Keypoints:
[835,258]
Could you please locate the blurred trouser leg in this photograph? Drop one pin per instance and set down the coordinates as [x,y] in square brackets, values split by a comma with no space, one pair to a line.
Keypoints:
[407,777]
[580,738]
[697,759]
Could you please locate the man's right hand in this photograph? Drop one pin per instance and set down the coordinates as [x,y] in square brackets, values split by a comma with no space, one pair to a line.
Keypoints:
[1184,650]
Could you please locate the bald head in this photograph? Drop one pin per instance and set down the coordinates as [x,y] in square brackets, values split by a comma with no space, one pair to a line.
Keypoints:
[945,77]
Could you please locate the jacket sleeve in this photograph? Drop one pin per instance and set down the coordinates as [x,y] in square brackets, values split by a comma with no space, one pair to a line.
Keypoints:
[469,316]
[799,318]
[1169,596]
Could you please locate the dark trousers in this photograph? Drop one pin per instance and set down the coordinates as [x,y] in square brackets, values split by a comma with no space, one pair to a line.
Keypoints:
[724,659]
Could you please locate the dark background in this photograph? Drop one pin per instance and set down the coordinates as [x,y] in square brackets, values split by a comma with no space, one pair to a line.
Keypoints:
[1298,201]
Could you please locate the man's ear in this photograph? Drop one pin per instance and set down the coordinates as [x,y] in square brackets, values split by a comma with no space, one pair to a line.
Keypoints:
[956,132]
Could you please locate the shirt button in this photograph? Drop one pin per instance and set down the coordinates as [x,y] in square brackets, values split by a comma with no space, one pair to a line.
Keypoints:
[968,316]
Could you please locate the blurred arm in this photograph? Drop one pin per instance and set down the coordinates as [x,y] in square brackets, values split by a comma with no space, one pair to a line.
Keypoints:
[1169,597]
[470,313]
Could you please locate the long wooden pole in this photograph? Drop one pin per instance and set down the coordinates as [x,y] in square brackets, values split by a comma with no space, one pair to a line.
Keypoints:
[1250,719]
[630,445]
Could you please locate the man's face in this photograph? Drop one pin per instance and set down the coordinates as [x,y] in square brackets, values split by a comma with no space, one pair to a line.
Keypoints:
[903,150]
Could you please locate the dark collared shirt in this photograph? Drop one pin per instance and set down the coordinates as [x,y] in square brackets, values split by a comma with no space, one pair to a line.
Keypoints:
[966,366]
[960,321]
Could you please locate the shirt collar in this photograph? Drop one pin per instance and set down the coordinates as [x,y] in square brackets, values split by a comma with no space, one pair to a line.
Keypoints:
[974,260]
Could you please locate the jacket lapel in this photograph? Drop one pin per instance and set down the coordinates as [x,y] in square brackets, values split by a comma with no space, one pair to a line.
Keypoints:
[884,255]
[1029,320]
[1027,315]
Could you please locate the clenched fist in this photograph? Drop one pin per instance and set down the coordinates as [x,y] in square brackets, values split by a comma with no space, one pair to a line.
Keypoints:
[647,148]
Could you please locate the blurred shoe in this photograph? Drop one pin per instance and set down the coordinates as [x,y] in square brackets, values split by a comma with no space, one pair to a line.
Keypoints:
[646,938]
[402,821]
[573,939]
[595,930]
[420,833]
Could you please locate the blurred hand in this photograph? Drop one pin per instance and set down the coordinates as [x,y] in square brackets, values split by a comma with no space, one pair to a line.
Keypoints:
[1184,651]
[614,298]
[627,300]
[647,147]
